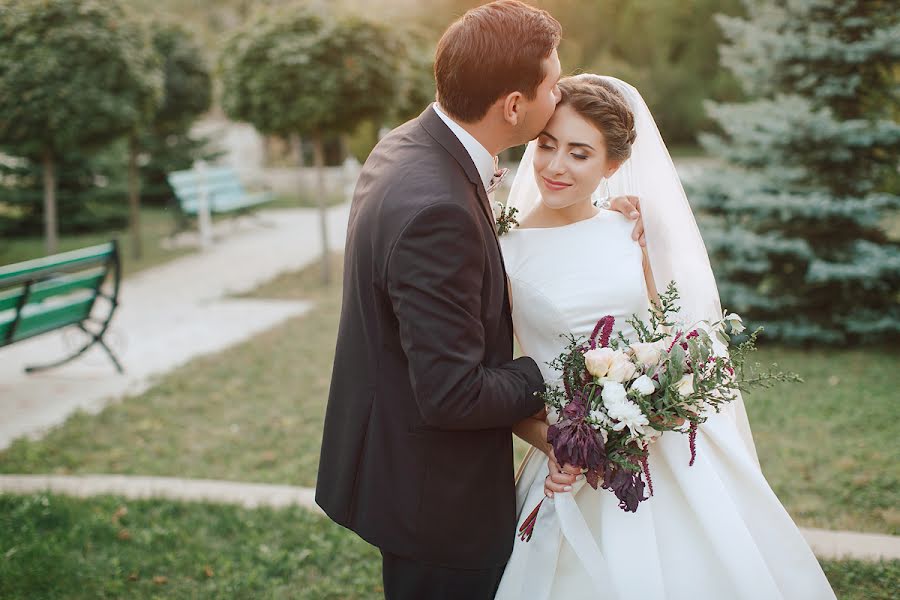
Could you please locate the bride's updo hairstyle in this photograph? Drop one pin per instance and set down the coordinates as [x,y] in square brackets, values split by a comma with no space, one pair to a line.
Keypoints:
[598,101]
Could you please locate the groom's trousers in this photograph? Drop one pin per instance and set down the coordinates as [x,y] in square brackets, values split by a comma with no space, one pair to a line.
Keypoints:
[407,579]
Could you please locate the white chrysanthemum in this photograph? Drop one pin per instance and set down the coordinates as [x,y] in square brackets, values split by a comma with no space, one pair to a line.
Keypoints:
[628,414]
[613,393]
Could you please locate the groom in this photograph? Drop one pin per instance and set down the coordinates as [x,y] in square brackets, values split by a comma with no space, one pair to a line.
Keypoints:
[417,444]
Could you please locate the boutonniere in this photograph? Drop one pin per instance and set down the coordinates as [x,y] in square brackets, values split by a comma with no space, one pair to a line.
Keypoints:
[504,217]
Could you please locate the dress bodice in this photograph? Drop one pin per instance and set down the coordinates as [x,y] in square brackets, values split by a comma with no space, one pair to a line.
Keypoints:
[564,279]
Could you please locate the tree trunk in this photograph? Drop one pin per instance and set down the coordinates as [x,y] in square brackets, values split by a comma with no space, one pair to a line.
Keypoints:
[134,199]
[296,145]
[319,159]
[51,227]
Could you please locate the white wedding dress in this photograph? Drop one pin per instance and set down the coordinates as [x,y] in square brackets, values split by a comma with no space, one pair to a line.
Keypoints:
[712,531]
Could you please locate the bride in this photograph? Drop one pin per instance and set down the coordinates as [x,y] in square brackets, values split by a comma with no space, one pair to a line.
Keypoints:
[712,531]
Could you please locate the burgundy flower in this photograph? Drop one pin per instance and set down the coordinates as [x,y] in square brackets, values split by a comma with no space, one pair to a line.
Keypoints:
[604,329]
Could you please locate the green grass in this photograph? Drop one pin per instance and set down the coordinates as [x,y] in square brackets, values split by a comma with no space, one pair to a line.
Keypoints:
[57,547]
[254,413]
[156,224]
[858,580]
[829,446]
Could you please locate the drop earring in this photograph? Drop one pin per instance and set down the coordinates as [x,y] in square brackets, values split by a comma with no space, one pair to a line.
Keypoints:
[601,194]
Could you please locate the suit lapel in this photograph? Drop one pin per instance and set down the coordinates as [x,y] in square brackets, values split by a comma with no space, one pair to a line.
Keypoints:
[442,134]
[448,140]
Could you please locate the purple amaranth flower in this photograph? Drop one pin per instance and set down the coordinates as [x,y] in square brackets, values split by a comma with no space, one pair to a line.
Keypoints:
[692,440]
[604,329]
[645,466]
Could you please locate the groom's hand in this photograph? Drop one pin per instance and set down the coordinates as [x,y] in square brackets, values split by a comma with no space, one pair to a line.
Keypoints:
[630,206]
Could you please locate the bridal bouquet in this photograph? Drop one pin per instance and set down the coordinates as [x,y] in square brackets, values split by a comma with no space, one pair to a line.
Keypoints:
[617,397]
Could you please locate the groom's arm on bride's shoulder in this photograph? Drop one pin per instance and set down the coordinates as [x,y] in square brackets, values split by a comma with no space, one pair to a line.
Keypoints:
[435,275]
[630,206]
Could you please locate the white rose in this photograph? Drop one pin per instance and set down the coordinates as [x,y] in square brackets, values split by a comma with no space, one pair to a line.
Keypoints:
[685,385]
[598,361]
[644,385]
[613,394]
[621,369]
[497,208]
[647,353]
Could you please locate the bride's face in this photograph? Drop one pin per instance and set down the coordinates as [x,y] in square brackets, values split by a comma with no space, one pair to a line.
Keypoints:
[570,159]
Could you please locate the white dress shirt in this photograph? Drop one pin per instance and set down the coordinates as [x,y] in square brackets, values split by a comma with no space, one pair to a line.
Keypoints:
[482,159]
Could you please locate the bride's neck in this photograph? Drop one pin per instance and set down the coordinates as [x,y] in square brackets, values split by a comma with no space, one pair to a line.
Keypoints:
[556,217]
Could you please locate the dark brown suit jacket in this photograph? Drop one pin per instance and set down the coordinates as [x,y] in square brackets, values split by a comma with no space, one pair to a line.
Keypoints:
[417,446]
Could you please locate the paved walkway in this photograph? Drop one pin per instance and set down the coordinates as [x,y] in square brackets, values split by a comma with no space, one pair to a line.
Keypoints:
[826,544]
[168,315]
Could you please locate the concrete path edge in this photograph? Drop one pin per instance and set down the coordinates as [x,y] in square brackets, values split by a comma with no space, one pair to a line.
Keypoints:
[826,544]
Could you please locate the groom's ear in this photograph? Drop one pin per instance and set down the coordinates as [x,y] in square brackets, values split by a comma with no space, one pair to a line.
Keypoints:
[512,108]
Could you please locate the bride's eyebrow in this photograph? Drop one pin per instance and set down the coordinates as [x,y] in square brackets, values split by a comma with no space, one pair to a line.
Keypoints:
[575,144]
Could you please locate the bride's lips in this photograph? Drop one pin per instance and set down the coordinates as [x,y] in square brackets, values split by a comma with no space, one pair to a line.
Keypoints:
[555,185]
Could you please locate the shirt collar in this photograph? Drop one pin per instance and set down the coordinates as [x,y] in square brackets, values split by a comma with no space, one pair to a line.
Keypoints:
[482,159]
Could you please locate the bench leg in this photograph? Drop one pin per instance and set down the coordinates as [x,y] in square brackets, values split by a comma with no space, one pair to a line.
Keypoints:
[95,339]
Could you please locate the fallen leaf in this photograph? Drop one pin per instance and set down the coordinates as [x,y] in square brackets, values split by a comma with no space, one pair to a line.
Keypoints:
[133,576]
[120,512]
[124,535]
[207,570]
[160,580]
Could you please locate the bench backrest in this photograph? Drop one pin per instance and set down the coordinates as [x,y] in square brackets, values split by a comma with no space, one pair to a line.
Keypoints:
[37,296]
[223,188]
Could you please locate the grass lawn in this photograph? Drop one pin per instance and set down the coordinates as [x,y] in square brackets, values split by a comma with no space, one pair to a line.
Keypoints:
[254,413]
[57,547]
[156,224]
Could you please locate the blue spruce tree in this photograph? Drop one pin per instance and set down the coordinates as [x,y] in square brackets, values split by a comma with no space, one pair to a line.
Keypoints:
[796,221]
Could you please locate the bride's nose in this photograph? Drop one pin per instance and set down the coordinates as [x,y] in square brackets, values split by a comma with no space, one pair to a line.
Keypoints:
[557,165]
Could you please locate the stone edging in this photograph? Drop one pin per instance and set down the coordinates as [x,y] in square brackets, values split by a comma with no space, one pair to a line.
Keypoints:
[826,544]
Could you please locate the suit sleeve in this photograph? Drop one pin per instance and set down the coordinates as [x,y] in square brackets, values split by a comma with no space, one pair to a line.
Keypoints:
[435,276]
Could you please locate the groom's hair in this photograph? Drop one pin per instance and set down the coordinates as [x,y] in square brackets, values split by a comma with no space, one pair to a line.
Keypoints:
[489,52]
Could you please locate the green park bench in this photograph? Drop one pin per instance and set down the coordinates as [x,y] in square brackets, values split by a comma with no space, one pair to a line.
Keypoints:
[221,188]
[46,294]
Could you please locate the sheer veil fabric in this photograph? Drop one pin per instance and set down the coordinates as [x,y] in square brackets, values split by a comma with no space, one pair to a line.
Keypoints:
[676,249]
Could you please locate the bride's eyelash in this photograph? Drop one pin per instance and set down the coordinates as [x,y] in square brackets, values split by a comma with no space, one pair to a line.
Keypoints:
[580,156]
[546,147]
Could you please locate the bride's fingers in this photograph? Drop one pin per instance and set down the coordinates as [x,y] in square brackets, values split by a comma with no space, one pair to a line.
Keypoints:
[637,233]
[559,477]
[551,487]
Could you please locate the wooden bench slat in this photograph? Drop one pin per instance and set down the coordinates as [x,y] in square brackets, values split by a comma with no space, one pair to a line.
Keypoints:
[222,187]
[58,286]
[19,273]
[66,313]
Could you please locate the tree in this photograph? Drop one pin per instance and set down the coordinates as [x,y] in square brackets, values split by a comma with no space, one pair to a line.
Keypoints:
[799,244]
[301,72]
[187,95]
[74,75]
